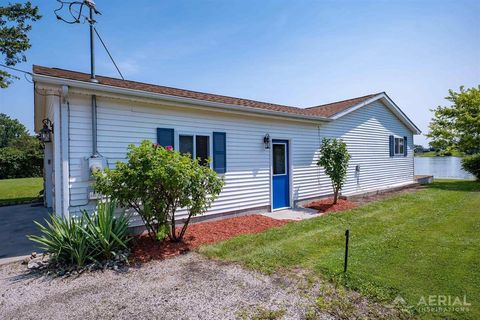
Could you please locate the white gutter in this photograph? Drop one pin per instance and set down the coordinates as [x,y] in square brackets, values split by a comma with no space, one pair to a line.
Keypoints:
[159,96]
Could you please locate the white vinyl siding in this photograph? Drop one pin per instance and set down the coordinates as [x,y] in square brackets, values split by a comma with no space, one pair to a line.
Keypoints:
[366,132]
[247,180]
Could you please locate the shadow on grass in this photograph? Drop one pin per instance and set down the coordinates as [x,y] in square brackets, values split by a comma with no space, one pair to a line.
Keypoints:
[455,185]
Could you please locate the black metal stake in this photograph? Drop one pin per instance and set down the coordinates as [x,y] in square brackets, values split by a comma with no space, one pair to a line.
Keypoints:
[347,236]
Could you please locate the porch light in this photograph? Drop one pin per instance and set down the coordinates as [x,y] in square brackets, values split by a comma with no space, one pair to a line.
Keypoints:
[45,134]
[266,141]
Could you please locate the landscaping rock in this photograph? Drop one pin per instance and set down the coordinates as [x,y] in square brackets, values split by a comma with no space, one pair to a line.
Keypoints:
[35,264]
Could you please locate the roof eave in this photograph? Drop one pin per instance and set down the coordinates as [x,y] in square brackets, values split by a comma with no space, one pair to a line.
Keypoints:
[172,98]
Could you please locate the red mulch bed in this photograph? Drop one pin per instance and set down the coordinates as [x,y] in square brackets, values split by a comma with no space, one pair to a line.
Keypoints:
[326,205]
[145,249]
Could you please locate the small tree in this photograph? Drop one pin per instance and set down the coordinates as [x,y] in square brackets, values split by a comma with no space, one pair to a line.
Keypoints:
[155,182]
[334,159]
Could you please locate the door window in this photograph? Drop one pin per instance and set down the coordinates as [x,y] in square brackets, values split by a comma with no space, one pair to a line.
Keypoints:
[279,159]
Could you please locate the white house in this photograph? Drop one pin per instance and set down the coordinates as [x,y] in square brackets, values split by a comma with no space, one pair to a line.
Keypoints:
[266,152]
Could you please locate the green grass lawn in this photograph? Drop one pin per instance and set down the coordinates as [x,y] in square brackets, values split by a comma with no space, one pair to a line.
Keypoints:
[19,190]
[414,245]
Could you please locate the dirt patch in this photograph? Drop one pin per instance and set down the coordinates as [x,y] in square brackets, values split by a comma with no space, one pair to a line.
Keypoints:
[145,249]
[361,200]
[326,205]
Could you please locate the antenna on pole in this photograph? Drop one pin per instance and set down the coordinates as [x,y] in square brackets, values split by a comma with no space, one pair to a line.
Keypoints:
[91,21]
[75,9]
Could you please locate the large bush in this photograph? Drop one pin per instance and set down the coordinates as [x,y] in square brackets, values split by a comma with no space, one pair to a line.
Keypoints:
[84,239]
[21,155]
[156,182]
[21,162]
[334,159]
[472,164]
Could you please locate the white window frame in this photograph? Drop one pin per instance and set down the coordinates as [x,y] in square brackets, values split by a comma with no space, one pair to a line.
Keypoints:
[194,135]
[401,143]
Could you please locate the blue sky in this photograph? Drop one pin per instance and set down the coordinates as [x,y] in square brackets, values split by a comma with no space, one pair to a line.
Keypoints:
[299,53]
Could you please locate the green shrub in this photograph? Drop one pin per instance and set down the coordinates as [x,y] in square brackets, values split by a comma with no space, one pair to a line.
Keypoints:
[84,239]
[472,164]
[155,182]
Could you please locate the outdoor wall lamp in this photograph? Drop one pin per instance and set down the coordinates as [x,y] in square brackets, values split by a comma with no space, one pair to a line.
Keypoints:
[45,134]
[266,141]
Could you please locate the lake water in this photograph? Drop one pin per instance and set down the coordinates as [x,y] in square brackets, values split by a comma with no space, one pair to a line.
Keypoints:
[441,167]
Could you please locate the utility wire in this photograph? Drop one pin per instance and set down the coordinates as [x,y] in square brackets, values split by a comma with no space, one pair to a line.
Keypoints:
[25,73]
[106,49]
[15,69]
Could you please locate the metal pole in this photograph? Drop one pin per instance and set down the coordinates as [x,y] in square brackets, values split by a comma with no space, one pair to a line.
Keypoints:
[92,46]
[92,79]
[347,236]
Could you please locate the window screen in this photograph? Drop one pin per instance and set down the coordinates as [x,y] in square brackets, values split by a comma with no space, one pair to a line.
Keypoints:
[186,145]
[202,148]
[279,163]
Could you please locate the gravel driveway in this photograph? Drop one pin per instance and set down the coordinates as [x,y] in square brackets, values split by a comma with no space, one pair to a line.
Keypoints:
[186,287]
[189,286]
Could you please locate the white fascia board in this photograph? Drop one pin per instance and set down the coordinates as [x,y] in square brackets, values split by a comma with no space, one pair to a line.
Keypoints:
[390,104]
[159,96]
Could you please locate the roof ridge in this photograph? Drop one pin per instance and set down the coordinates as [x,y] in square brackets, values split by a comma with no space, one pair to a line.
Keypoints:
[340,101]
[174,88]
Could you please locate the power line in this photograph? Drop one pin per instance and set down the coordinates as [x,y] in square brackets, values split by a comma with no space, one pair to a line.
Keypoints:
[108,52]
[15,69]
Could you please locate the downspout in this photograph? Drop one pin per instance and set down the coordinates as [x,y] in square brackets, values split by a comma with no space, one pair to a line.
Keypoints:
[94,127]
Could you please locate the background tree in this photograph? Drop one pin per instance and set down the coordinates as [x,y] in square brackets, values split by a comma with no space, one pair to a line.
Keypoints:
[334,159]
[155,182]
[21,155]
[14,41]
[10,130]
[457,127]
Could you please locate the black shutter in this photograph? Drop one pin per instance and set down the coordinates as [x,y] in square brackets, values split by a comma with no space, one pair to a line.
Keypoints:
[392,146]
[219,152]
[165,137]
[405,146]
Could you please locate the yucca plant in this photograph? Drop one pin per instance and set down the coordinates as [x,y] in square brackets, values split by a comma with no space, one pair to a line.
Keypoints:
[107,233]
[84,239]
[64,240]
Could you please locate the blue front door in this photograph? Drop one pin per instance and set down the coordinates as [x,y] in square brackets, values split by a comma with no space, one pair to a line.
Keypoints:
[281,174]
